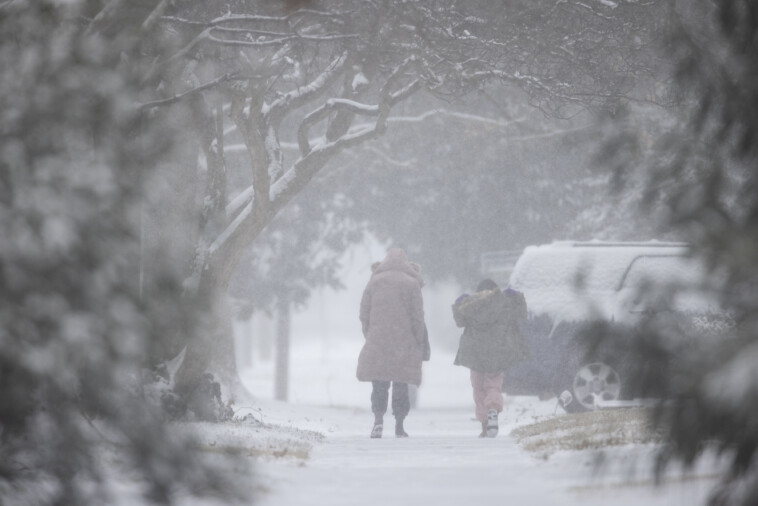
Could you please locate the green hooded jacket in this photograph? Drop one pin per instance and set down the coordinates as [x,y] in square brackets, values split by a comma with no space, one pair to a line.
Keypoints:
[492,340]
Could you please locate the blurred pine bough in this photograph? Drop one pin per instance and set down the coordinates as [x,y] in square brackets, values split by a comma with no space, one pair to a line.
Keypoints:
[77,326]
[703,182]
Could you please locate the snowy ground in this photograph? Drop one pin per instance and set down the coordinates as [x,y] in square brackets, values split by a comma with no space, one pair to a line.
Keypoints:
[315,450]
[443,463]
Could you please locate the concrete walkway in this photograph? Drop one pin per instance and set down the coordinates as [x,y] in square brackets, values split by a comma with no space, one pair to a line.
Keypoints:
[442,463]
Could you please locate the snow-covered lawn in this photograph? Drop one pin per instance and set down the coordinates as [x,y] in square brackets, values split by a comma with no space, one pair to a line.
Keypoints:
[316,450]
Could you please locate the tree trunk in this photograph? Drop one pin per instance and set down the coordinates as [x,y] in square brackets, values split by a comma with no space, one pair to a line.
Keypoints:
[201,346]
[223,364]
[281,382]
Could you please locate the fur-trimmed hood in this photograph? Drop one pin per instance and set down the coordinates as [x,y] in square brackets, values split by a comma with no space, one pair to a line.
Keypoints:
[397,260]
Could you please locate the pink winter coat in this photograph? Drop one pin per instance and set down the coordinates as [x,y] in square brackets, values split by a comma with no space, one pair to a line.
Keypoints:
[392,316]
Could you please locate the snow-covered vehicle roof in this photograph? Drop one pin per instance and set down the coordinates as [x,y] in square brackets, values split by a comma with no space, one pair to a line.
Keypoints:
[575,281]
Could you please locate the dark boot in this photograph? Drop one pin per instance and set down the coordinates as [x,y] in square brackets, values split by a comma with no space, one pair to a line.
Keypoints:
[399,430]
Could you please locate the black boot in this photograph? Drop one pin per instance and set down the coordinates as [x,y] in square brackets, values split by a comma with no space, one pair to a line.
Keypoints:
[399,431]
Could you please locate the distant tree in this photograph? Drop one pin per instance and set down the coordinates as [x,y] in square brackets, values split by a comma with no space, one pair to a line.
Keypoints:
[703,183]
[76,323]
[453,182]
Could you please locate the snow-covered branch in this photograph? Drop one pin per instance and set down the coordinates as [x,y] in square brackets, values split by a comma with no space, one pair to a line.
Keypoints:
[155,15]
[274,154]
[355,107]
[322,112]
[391,161]
[300,96]
[180,96]
[238,202]
[458,115]
[254,18]
[303,169]
[230,229]
[278,41]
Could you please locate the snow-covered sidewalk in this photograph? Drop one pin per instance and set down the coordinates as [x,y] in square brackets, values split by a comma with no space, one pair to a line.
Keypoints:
[445,463]
[442,463]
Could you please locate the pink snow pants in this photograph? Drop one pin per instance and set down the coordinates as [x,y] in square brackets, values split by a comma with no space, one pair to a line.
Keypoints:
[487,393]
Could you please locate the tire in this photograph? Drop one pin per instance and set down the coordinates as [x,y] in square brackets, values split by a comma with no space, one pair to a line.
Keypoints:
[593,381]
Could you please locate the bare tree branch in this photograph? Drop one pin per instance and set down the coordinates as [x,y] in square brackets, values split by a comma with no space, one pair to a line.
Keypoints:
[176,98]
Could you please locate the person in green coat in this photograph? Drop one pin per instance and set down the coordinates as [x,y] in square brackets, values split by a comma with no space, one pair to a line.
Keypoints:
[491,342]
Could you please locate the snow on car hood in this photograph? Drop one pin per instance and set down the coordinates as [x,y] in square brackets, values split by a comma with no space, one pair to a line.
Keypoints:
[570,281]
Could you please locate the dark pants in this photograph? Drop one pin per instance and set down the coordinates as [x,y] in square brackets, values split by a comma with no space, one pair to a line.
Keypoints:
[401,403]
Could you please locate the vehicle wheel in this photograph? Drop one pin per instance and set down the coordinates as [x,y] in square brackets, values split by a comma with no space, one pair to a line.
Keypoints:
[595,381]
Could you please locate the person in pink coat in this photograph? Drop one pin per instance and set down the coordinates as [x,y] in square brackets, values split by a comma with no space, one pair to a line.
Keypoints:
[392,319]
